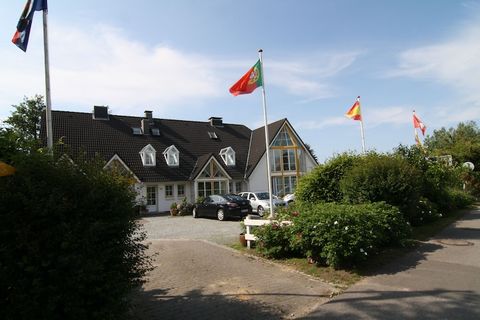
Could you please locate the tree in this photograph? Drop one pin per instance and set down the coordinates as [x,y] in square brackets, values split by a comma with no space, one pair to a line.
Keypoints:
[25,121]
[462,142]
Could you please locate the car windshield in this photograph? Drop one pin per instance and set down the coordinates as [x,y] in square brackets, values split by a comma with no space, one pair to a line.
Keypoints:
[262,195]
[233,197]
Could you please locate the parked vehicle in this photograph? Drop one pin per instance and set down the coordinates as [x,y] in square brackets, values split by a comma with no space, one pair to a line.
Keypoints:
[222,207]
[260,201]
[289,198]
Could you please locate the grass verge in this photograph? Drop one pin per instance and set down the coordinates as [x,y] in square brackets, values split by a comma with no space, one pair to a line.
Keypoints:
[342,279]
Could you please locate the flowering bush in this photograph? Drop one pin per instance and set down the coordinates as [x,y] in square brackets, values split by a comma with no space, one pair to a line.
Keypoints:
[338,235]
[274,240]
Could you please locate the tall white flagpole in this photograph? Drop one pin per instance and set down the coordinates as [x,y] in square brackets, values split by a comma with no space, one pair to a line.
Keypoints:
[267,139]
[48,99]
[361,125]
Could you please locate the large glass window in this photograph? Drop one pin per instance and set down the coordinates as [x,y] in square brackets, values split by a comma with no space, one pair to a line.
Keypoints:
[283,185]
[151,196]
[283,138]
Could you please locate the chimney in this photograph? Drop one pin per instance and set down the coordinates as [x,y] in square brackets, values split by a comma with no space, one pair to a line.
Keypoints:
[100,113]
[145,126]
[216,121]
[148,115]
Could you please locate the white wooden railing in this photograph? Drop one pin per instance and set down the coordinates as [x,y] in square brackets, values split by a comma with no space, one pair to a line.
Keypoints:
[251,223]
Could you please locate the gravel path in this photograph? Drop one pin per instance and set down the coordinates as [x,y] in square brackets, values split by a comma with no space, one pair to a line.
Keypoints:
[186,227]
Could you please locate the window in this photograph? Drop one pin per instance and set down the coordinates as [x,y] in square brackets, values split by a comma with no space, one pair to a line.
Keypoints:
[171,155]
[212,135]
[283,138]
[155,131]
[206,188]
[228,156]
[168,191]
[151,196]
[181,190]
[137,131]
[148,155]
[284,185]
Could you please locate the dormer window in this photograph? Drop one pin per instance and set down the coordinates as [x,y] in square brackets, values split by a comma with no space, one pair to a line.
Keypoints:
[137,131]
[212,135]
[148,155]
[228,156]
[171,155]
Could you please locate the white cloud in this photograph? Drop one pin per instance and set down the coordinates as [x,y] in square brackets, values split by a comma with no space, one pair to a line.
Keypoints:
[393,115]
[306,75]
[453,62]
[99,65]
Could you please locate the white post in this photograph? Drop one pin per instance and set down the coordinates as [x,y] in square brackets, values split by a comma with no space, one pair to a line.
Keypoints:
[267,139]
[48,116]
[361,126]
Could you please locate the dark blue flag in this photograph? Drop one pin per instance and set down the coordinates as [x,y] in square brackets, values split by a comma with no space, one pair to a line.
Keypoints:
[20,38]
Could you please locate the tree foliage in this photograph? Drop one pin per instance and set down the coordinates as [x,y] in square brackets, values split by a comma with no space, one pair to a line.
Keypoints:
[24,122]
[462,142]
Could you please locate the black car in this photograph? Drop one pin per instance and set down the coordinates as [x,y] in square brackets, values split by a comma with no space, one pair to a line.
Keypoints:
[222,207]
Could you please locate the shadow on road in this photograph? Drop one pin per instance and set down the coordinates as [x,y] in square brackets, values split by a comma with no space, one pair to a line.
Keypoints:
[158,304]
[402,305]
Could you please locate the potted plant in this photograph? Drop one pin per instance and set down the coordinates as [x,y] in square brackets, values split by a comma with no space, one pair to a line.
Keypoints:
[173,209]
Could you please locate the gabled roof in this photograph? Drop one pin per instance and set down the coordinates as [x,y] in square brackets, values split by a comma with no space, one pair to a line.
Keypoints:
[81,133]
[257,149]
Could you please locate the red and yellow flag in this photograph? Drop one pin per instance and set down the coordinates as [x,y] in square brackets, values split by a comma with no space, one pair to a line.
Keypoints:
[417,123]
[249,82]
[354,112]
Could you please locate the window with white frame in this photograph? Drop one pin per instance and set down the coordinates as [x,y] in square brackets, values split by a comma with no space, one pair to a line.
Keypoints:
[148,155]
[180,190]
[171,155]
[168,191]
[151,196]
[228,156]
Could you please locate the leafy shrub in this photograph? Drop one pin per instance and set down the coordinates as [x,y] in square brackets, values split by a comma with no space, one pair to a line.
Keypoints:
[71,247]
[322,183]
[424,212]
[342,235]
[460,199]
[377,178]
[274,240]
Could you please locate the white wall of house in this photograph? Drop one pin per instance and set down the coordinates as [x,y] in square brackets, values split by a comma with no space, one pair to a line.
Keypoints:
[258,180]
[166,194]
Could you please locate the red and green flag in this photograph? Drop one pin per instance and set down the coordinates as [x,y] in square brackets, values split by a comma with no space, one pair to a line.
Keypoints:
[354,112]
[249,82]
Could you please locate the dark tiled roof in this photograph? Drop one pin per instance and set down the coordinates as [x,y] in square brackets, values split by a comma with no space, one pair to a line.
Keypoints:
[257,149]
[106,138]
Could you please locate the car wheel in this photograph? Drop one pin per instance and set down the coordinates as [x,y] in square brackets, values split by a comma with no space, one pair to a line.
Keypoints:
[220,214]
[260,211]
[194,213]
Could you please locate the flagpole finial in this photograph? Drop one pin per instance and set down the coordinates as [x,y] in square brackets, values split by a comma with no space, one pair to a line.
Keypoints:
[260,50]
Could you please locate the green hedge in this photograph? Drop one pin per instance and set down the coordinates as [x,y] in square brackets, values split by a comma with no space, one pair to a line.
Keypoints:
[70,244]
[338,235]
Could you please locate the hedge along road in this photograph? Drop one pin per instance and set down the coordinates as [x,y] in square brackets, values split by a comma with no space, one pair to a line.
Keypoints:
[197,278]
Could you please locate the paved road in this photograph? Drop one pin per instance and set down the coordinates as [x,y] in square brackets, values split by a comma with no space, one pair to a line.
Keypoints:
[196,279]
[440,280]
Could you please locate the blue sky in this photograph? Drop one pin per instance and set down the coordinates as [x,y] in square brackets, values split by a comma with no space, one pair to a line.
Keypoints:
[178,59]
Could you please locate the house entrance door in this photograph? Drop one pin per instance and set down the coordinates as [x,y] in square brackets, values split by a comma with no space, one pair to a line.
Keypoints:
[152,199]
